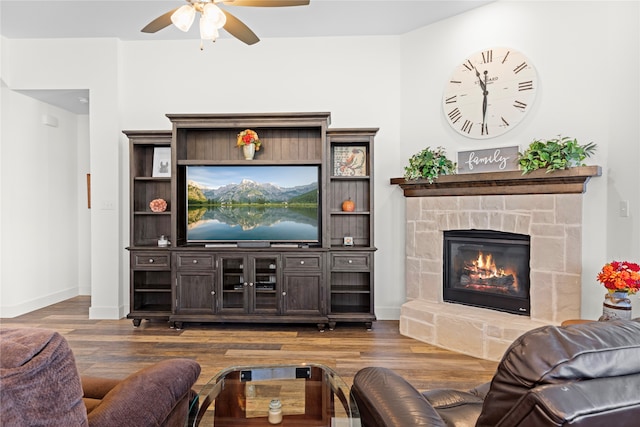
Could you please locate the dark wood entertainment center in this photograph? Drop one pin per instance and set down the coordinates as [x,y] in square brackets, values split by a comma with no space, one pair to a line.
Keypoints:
[323,283]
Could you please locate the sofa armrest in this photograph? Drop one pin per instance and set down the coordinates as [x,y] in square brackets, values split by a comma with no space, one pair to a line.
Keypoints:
[149,396]
[599,401]
[385,399]
[96,387]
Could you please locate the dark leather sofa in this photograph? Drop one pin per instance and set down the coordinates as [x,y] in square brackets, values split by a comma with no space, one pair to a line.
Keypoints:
[580,375]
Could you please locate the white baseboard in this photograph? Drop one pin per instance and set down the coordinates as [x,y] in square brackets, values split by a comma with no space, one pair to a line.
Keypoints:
[37,303]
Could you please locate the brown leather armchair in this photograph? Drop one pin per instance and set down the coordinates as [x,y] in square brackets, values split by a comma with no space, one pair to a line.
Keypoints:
[579,375]
[40,385]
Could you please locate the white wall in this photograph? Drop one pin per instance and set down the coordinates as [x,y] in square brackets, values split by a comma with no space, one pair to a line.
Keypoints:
[39,220]
[75,64]
[394,83]
[588,89]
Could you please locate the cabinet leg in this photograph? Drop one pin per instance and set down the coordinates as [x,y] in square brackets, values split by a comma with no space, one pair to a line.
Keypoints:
[136,322]
[321,327]
[332,326]
[178,325]
[369,325]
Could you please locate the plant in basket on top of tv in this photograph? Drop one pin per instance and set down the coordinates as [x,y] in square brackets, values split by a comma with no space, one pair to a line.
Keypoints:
[248,137]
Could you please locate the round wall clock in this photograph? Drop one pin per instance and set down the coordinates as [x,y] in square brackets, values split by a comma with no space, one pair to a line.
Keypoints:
[489,93]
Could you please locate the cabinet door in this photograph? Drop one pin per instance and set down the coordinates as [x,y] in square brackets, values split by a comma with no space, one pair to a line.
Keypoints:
[302,293]
[195,293]
[233,283]
[263,288]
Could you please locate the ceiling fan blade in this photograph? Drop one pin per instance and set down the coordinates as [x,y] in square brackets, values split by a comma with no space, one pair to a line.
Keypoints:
[159,23]
[239,30]
[266,3]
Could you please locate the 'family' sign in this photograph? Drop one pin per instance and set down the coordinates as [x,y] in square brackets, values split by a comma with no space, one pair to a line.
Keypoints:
[488,160]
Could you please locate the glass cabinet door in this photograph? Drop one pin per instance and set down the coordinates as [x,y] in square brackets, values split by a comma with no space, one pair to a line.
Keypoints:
[250,284]
[234,283]
[266,289]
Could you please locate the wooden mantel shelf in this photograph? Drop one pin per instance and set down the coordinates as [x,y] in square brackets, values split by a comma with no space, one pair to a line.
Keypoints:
[567,181]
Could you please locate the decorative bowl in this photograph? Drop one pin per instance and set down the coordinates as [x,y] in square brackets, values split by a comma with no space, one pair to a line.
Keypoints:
[158,205]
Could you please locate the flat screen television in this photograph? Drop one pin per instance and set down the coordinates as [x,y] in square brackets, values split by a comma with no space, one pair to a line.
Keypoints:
[249,203]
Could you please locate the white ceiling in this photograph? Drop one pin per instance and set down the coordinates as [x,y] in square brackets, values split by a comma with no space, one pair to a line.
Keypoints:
[123,19]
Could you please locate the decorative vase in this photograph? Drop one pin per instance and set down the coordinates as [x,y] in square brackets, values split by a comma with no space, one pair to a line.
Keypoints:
[249,151]
[616,305]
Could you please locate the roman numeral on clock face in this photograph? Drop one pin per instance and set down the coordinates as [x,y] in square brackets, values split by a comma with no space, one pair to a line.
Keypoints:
[450,100]
[466,127]
[485,130]
[487,56]
[519,105]
[520,67]
[454,115]
[528,85]
[506,123]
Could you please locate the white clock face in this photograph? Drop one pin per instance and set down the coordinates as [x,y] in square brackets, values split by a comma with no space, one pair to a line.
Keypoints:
[489,93]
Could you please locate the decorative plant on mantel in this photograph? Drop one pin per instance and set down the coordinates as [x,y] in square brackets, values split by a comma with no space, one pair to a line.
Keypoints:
[429,164]
[554,154]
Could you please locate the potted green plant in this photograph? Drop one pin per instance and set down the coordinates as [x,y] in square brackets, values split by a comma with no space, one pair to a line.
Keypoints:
[554,154]
[429,164]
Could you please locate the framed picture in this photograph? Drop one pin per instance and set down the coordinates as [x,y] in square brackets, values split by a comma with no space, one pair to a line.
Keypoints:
[350,160]
[161,162]
[347,241]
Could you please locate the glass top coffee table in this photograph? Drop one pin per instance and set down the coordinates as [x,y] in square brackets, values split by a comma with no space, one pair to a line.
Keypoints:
[307,394]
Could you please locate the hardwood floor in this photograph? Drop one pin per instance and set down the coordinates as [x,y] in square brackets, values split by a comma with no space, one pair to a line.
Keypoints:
[114,348]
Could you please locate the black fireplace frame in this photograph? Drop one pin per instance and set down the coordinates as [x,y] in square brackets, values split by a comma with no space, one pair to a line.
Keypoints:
[509,304]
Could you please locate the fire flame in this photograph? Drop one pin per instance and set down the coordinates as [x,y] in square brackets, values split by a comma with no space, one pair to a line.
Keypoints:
[486,266]
[483,270]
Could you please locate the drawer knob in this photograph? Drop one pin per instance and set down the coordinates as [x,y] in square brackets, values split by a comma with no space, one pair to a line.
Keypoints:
[284,293]
[195,261]
[151,260]
[301,262]
[213,292]
[250,283]
[350,262]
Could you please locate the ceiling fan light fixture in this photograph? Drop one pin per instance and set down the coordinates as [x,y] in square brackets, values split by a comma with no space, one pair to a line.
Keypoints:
[214,14]
[183,17]
[208,29]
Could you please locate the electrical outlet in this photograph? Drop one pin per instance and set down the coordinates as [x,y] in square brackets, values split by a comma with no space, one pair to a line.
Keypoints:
[624,208]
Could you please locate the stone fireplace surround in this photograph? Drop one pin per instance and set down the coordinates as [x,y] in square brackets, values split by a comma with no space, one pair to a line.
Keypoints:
[552,218]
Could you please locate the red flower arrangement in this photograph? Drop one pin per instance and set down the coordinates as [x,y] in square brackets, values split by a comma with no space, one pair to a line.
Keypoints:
[620,276]
[247,137]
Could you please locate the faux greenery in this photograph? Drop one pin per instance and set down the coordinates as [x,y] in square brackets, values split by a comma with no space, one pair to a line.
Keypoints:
[429,164]
[554,154]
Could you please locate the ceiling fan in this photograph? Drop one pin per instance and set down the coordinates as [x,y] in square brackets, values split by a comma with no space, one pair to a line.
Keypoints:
[212,18]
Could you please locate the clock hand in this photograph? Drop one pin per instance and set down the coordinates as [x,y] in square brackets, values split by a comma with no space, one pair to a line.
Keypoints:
[484,100]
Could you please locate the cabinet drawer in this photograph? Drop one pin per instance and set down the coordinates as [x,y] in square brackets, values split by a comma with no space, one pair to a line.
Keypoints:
[354,261]
[149,260]
[194,261]
[302,262]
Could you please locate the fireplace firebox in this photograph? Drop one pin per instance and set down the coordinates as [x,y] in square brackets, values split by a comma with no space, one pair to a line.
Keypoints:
[488,269]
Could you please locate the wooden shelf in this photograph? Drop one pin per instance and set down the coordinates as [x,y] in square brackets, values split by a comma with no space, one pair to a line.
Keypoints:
[568,181]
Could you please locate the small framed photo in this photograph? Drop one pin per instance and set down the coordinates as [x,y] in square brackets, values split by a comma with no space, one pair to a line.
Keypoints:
[350,160]
[161,162]
[347,241]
